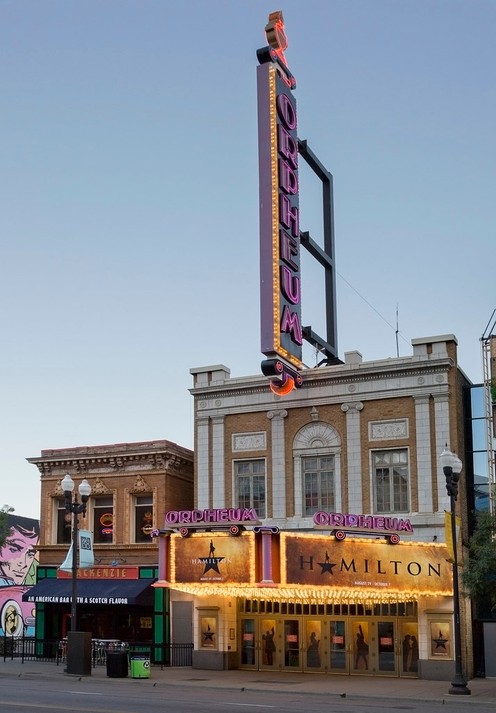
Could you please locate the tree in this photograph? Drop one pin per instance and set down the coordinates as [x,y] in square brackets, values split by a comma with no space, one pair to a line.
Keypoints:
[479,573]
[4,527]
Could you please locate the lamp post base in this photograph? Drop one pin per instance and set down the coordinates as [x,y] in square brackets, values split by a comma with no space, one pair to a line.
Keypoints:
[459,687]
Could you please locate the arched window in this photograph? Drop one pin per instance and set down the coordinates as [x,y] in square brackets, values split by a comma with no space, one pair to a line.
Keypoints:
[317,469]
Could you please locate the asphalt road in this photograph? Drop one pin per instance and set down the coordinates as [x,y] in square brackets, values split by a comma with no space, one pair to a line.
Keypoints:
[69,695]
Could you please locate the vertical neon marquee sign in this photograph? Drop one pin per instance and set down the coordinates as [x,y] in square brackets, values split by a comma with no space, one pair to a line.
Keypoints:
[280,297]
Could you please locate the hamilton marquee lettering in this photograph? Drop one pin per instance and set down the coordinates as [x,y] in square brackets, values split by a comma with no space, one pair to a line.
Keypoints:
[362,522]
[365,566]
[415,568]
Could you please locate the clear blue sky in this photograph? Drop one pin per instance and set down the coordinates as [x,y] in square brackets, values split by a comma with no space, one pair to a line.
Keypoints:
[129,199]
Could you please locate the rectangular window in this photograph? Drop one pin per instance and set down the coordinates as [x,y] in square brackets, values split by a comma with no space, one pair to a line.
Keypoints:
[318,484]
[103,519]
[390,473]
[64,523]
[143,517]
[250,484]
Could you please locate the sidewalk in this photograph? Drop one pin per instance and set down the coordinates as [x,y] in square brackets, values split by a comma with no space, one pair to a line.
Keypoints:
[483,690]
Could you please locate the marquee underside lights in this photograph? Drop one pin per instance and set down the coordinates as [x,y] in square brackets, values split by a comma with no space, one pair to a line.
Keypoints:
[305,594]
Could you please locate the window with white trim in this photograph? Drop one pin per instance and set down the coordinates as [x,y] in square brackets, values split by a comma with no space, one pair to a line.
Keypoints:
[143,517]
[390,479]
[318,484]
[249,477]
[317,469]
[103,518]
[64,523]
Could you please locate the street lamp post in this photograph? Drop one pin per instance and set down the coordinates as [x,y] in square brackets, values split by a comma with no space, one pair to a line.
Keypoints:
[76,508]
[452,467]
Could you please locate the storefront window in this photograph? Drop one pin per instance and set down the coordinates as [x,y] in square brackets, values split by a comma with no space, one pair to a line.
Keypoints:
[318,478]
[64,523]
[143,517]
[390,473]
[103,519]
[250,484]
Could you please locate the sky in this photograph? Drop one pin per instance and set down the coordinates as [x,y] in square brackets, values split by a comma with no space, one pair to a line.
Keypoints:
[129,200]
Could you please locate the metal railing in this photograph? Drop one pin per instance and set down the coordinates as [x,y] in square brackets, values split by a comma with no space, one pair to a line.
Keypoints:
[29,648]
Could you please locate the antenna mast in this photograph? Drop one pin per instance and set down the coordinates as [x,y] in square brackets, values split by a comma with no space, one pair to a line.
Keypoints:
[397,332]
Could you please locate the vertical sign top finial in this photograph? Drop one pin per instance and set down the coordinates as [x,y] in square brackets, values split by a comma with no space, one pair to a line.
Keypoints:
[276,35]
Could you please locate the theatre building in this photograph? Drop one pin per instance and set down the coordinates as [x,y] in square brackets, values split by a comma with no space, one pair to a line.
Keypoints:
[132,486]
[317,538]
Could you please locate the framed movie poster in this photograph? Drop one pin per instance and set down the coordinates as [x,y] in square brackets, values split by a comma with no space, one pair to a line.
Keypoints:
[441,640]
[208,632]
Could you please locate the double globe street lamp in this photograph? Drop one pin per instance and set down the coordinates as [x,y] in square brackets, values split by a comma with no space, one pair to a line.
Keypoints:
[452,467]
[75,644]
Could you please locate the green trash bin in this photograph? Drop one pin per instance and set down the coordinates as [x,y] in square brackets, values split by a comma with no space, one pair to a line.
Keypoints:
[140,666]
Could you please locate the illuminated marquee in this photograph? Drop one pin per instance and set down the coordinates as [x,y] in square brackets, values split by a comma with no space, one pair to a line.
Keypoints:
[209,558]
[280,285]
[212,516]
[341,523]
[415,569]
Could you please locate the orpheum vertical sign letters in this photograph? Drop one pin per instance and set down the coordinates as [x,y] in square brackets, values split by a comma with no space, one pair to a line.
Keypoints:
[281,331]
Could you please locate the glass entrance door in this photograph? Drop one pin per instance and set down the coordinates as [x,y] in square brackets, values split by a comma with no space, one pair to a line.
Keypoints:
[387,661]
[338,647]
[385,646]
[315,645]
[292,645]
[361,633]
[270,644]
[409,653]
[249,654]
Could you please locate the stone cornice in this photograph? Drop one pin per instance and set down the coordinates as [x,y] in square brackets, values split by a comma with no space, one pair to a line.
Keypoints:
[96,460]
[343,378]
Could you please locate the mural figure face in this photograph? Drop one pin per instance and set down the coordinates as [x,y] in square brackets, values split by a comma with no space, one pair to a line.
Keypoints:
[18,554]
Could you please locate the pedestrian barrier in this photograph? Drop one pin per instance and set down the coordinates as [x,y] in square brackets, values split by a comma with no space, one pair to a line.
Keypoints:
[30,648]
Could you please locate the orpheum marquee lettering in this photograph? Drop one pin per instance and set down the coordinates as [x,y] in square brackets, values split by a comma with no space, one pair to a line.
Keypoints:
[281,331]
[377,523]
[211,516]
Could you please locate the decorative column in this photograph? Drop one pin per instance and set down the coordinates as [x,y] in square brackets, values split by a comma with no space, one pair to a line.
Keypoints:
[278,463]
[218,500]
[202,453]
[424,454]
[163,556]
[442,432]
[353,455]
[267,534]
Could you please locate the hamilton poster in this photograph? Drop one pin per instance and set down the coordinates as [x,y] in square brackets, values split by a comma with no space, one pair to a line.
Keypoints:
[369,564]
[213,558]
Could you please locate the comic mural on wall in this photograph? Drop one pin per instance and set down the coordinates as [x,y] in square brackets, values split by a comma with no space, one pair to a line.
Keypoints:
[18,563]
